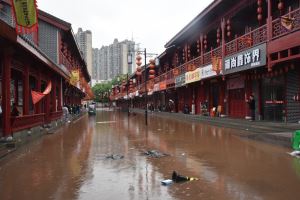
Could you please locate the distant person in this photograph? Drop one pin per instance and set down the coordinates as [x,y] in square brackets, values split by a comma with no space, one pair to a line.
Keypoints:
[251,103]
[15,112]
[186,109]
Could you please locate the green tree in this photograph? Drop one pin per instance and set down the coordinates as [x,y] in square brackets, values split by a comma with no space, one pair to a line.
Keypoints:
[102,90]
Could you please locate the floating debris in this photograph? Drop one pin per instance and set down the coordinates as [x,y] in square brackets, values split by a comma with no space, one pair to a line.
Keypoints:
[179,178]
[154,154]
[114,157]
[295,154]
[167,182]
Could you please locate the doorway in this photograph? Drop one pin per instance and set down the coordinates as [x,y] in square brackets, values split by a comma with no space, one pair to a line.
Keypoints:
[273,98]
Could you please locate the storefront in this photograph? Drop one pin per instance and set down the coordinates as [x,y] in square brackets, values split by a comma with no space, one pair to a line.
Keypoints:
[209,90]
[236,95]
[179,83]
[237,66]
[273,89]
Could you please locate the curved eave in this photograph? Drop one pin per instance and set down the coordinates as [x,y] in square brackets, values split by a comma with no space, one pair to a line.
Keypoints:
[208,9]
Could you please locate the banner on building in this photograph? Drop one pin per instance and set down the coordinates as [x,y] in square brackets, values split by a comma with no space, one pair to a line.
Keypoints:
[192,76]
[37,96]
[74,79]
[207,71]
[216,64]
[25,14]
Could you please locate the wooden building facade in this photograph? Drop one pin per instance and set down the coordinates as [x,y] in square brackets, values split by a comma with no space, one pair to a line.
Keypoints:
[30,62]
[231,50]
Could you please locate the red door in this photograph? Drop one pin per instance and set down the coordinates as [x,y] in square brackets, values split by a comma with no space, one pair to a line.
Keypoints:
[237,105]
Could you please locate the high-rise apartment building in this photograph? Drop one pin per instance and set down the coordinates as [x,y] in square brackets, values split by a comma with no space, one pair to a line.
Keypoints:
[84,40]
[111,60]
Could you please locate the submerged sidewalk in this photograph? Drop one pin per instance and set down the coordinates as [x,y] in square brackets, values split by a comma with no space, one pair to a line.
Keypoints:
[272,132]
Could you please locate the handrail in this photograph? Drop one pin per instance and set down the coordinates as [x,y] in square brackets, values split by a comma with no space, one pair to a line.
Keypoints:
[278,30]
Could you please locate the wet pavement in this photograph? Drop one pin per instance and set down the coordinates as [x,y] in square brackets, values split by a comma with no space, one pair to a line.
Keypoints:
[77,162]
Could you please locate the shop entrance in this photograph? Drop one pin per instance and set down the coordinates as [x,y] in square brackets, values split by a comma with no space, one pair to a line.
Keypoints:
[273,98]
[215,92]
[237,104]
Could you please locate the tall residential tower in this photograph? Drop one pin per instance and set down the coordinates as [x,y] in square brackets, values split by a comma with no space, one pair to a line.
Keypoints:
[110,61]
[84,40]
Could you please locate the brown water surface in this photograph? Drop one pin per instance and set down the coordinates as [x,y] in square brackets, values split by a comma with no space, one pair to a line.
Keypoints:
[72,163]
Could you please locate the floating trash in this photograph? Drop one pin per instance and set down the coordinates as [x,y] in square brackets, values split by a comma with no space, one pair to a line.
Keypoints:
[114,157]
[295,154]
[167,182]
[154,154]
[180,178]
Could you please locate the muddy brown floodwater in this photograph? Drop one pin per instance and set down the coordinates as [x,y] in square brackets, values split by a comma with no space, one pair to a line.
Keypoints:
[72,163]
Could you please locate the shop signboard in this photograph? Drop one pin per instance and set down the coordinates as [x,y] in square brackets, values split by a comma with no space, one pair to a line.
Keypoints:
[207,71]
[248,59]
[180,80]
[192,76]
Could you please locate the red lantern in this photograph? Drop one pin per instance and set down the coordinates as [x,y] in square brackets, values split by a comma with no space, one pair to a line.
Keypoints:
[259,2]
[228,28]
[259,17]
[151,71]
[151,76]
[138,73]
[280,6]
[259,10]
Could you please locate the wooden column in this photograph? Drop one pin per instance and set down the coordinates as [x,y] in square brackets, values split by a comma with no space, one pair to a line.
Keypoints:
[269,31]
[26,90]
[6,69]
[16,94]
[47,107]
[38,88]
[223,38]
[59,94]
[53,95]
[201,49]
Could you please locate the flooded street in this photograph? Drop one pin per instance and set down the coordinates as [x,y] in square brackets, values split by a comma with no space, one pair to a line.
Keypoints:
[73,163]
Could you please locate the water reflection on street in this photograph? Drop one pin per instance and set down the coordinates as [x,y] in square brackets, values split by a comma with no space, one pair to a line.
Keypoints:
[72,163]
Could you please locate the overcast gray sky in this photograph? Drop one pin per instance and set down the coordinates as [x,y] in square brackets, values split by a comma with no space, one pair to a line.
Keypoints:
[152,23]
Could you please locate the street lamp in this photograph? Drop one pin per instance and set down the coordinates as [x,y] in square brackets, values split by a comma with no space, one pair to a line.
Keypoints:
[129,59]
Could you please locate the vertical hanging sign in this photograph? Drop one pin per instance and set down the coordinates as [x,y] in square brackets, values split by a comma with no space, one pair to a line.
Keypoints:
[25,14]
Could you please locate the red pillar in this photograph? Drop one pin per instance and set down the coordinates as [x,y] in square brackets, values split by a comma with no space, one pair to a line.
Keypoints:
[47,107]
[53,95]
[59,106]
[26,90]
[6,94]
[38,88]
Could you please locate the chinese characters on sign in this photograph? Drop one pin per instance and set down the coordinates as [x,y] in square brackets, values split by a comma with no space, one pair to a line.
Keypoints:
[207,71]
[251,58]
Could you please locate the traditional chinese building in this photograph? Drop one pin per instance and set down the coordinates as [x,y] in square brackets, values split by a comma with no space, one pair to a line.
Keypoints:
[229,51]
[29,62]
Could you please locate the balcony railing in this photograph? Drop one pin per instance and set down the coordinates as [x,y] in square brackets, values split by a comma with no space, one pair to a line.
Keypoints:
[278,30]
[248,40]
[26,121]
